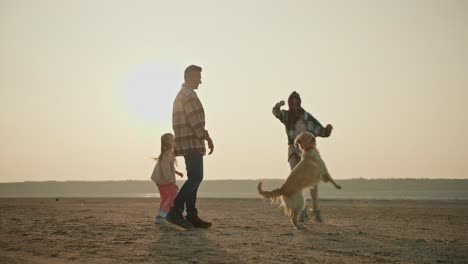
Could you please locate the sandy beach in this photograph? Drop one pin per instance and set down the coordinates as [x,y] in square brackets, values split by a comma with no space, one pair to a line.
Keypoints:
[118,230]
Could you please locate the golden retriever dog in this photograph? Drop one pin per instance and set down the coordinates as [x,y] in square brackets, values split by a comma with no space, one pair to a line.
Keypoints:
[308,172]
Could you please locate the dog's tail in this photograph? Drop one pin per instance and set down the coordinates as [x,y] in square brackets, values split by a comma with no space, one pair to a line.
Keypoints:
[273,195]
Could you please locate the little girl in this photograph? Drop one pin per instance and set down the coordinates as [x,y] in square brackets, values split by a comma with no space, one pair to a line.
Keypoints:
[164,177]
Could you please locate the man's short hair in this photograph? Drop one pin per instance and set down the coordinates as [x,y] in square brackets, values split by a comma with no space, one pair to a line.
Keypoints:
[190,69]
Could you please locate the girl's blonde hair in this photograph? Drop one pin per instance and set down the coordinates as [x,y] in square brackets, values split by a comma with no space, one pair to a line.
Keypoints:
[165,146]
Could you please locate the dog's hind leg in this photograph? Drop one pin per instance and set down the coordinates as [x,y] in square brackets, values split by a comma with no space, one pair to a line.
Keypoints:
[304,217]
[295,203]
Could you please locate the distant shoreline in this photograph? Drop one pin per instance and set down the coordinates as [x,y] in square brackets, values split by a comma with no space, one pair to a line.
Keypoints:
[366,199]
[260,179]
[376,189]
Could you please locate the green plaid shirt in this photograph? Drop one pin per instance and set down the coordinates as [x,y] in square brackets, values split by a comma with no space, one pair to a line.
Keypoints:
[312,124]
[188,122]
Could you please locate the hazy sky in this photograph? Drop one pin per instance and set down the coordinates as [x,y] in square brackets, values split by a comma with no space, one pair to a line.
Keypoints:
[86,87]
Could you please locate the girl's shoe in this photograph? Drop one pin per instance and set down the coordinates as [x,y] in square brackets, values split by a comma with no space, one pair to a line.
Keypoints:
[159,220]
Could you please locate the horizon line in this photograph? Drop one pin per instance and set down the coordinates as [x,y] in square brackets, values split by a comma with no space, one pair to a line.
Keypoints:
[348,179]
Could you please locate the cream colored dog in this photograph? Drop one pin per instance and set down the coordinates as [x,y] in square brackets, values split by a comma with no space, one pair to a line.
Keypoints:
[308,172]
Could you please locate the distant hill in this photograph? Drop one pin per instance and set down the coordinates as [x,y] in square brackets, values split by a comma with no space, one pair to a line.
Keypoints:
[352,189]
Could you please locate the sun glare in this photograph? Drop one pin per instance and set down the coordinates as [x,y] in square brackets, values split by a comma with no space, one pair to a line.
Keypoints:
[149,90]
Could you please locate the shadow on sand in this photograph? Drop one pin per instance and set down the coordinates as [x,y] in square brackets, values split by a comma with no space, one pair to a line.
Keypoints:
[188,246]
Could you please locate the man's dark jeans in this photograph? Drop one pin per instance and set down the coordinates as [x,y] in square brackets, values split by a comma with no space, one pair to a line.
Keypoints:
[187,195]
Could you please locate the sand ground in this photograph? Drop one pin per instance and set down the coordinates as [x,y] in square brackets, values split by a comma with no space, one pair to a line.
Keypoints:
[121,230]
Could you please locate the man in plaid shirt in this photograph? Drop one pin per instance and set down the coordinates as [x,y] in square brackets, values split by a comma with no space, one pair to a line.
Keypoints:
[188,122]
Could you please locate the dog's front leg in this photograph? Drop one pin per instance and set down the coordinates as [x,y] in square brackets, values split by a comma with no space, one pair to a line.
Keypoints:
[326,177]
[335,184]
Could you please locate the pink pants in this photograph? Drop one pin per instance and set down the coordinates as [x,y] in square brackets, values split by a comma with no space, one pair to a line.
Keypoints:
[167,192]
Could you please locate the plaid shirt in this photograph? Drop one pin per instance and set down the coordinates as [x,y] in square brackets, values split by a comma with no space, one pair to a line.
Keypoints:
[188,122]
[312,124]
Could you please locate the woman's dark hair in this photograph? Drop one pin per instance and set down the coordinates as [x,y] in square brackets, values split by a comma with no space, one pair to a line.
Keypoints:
[292,115]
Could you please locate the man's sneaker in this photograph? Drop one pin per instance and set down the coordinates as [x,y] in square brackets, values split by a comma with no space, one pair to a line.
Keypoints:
[193,219]
[159,220]
[176,218]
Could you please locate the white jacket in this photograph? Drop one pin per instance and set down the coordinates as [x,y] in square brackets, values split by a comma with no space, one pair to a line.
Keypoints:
[164,171]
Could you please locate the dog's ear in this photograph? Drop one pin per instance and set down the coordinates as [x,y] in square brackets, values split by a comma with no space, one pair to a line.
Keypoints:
[305,140]
[309,140]
[297,141]
[313,140]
